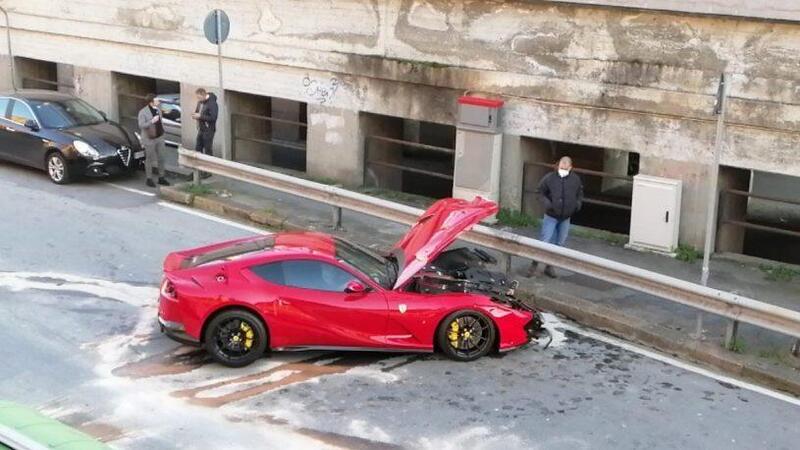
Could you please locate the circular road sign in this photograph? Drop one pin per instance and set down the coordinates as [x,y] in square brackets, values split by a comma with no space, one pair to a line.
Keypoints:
[217,32]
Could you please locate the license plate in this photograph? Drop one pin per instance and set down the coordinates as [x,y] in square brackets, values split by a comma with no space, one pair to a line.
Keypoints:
[138,155]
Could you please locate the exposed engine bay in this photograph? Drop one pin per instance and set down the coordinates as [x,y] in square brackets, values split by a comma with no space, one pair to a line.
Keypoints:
[465,270]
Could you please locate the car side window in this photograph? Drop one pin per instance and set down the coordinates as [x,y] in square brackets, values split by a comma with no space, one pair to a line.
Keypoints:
[21,113]
[305,274]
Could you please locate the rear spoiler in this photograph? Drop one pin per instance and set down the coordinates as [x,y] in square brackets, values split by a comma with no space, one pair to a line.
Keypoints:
[186,259]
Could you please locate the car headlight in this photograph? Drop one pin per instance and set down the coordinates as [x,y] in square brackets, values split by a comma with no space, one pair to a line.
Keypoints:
[85,149]
[138,137]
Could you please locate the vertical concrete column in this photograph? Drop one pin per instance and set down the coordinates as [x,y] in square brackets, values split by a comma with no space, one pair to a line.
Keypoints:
[189,125]
[511,179]
[97,87]
[694,197]
[540,151]
[731,238]
[5,70]
[65,76]
[335,146]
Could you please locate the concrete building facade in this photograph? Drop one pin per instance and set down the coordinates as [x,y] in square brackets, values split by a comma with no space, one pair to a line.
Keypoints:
[611,77]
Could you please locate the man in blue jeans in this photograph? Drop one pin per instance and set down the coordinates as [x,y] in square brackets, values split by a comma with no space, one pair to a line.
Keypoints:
[561,194]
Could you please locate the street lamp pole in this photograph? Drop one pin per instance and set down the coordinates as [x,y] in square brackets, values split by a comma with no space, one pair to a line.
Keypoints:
[713,195]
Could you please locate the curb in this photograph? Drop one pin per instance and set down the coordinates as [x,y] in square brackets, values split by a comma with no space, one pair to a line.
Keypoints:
[663,339]
[228,208]
[581,311]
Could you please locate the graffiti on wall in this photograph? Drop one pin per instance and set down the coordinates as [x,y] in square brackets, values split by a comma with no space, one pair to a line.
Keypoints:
[320,91]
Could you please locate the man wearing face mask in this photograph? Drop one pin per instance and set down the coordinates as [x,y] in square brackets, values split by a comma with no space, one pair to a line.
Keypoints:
[561,194]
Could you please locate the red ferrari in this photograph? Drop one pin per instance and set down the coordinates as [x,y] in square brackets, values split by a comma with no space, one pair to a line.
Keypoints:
[297,291]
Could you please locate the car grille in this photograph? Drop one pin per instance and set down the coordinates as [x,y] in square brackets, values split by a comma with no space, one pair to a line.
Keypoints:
[125,155]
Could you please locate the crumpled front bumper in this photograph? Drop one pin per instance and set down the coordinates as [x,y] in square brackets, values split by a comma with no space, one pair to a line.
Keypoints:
[536,331]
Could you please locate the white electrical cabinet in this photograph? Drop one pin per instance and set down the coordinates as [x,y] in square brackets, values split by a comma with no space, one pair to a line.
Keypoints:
[478,149]
[655,213]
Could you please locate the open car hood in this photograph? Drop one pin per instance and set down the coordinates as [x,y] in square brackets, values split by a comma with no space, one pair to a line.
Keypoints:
[435,230]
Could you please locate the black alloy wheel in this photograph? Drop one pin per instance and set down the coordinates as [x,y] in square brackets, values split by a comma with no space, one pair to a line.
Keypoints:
[466,335]
[235,338]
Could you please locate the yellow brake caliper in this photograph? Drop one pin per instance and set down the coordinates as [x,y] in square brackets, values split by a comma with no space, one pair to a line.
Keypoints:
[453,333]
[248,335]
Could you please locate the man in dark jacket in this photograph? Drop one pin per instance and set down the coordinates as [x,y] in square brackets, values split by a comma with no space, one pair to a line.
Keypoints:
[206,114]
[561,194]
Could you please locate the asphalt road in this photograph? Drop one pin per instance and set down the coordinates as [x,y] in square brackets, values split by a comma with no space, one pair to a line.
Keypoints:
[79,270]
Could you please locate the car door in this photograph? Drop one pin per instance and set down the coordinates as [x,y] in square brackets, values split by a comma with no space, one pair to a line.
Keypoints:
[313,308]
[23,144]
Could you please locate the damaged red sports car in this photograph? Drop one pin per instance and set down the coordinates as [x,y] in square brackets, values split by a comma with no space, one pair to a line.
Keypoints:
[296,291]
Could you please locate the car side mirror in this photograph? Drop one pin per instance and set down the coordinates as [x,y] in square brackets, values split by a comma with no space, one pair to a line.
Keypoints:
[355,287]
[32,125]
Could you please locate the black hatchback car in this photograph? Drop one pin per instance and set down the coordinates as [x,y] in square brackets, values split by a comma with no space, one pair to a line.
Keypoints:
[65,136]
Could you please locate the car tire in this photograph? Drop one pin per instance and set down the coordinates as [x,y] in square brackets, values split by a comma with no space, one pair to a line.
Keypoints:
[235,338]
[466,335]
[57,168]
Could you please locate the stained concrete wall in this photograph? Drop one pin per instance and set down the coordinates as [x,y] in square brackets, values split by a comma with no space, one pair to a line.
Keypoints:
[765,9]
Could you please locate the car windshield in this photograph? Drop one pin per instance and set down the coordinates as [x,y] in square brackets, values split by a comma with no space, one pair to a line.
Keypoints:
[66,113]
[382,270]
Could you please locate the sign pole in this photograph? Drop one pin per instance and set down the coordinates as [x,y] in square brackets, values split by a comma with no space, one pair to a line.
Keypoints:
[223,107]
[713,195]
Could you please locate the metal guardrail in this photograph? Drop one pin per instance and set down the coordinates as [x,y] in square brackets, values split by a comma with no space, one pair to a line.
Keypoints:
[731,306]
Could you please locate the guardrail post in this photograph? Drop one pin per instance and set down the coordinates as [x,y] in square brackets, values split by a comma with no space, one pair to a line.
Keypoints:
[196,177]
[730,334]
[796,348]
[507,263]
[337,217]
[698,332]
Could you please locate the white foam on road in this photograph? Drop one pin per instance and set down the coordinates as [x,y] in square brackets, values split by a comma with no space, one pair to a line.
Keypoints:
[555,326]
[52,281]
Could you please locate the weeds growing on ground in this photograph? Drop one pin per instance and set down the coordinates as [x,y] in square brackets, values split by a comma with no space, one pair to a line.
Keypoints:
[779,272]
[737,346]
[198,189]
[515,218]
[687,253]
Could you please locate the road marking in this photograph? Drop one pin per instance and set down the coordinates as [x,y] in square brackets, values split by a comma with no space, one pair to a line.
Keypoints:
[130,189]
[678,363]
[191,211]
[197,213]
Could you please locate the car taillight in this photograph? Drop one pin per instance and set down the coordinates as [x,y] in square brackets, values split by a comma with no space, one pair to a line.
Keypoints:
[167,289]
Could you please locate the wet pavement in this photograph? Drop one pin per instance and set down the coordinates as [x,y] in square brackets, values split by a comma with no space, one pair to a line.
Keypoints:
[79,270]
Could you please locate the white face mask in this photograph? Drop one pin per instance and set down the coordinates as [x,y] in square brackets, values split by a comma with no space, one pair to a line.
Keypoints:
[563,172]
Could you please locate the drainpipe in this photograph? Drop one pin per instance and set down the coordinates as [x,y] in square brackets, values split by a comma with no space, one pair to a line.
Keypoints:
[10,55]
